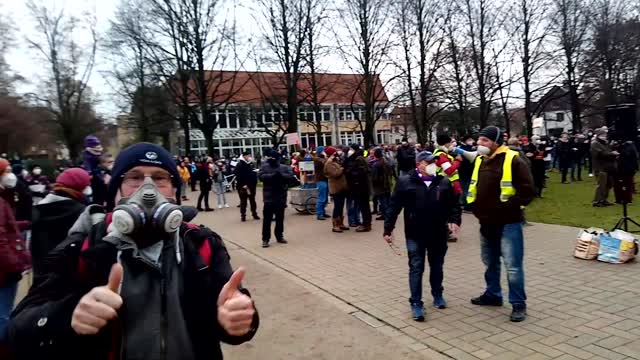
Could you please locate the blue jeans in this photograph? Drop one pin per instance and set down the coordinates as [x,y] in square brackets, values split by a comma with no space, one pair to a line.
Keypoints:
[353,211]
[506,241]
[383,201]
[7,297]
[323,194]
[435,250]
[219,189]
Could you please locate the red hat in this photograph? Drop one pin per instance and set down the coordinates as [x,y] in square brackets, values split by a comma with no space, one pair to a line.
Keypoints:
[75,178]
[524,139]
[4,164]
[330,150]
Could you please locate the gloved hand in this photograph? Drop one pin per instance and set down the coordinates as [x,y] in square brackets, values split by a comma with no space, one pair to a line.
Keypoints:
[459,151]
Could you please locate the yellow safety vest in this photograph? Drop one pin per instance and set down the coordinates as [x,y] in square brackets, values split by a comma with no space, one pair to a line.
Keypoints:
[506,183]
[440,171]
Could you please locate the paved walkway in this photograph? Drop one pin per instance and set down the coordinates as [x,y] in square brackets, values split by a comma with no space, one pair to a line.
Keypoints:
[577,309]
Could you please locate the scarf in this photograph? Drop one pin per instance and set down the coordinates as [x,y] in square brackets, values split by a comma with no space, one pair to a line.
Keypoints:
[68,192]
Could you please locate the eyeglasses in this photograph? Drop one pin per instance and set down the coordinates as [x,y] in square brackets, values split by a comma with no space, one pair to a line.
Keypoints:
[136,179]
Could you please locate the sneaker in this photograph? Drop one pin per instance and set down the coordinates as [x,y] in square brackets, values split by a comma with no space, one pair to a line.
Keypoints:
[487,300]
[256,217]
[326,216]
[226,205]
[219,206]
[321,217]
[519,312]
[363,228]
[208,210]
[381,217]
[439,302]
[282,241]
[265,243]
[243,219]
[417,310]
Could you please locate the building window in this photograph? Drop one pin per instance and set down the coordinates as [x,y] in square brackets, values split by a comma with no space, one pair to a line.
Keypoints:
[345,114]
[222,119]
[233,119]
[559,117]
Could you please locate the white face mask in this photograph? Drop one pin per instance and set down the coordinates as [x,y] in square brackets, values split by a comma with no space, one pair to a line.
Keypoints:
[483,150]
[351,152]
[431,169]
[603,137]
[37,172]
[87,191]
[9,180]
[24,173]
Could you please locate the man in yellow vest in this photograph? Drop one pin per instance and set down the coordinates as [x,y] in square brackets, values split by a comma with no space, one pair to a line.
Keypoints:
[501,185]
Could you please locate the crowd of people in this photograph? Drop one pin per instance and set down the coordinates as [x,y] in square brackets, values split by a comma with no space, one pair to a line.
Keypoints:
[107,217]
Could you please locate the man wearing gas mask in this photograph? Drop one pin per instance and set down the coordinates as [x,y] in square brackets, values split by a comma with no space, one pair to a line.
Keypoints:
[138,282]
[431,211]
[501,186]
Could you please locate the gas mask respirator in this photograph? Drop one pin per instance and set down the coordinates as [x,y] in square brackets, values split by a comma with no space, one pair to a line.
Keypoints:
[147,216]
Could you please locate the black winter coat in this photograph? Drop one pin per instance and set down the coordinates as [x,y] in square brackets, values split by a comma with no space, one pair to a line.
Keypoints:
[427,210]
[406,158]
[246,176]
[167,313]
[276,181]
[356,171]
[52,219]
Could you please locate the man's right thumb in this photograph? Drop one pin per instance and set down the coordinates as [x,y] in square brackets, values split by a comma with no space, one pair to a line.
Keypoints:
[115,278]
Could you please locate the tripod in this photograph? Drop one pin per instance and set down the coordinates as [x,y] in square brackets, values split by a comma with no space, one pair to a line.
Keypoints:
[623,223]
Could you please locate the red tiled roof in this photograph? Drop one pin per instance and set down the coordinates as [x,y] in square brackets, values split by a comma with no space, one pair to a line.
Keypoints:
[253,87]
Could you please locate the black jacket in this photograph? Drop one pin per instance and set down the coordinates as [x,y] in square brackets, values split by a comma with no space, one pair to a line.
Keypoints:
[99,187]
[52,219]
[628,160]
[356,170]
[167,313]
[381,177]
[406,158]
[564,151]
[466,167]
[427,210]
[245,175]
[203,177]
[276,181]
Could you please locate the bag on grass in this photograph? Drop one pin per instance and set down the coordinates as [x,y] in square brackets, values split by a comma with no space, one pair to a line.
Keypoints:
[617,247]
[587,244]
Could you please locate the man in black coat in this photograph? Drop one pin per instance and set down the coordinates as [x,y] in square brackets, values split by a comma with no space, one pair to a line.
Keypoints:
[564,154]
[276,179]
[406,157]
[356,171]
[246,180]
[135,289]
[431,210]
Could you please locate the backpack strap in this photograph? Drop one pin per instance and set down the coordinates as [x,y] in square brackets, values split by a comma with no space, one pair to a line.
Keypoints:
[200,238]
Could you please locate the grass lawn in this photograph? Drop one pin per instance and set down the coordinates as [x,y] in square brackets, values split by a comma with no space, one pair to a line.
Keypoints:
[570,204]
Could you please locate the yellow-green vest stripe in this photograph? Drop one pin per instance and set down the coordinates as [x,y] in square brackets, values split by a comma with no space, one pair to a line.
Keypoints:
[506,182]
[455,175]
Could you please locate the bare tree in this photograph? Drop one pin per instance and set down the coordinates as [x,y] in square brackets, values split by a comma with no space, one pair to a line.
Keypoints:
[484,22]
[286,36]
[529,28]
[458,72]
[70,67]
[365,45]
[571,32]
[132,72]
[192,39]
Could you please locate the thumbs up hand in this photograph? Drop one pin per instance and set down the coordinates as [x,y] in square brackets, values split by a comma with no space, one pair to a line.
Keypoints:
[99,305]
[235,309]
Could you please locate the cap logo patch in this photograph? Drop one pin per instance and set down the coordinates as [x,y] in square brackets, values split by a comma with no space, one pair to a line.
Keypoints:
[151,155]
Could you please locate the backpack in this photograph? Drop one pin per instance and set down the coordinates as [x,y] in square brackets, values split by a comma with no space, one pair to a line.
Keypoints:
[204,248]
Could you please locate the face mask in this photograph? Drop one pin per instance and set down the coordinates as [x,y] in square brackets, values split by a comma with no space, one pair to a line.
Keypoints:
[37,171]
[96,150]
[9,181]
[87,191]
[603,138]
[483,150]
[431,169]
[147,216]
[24,173]
[351,152]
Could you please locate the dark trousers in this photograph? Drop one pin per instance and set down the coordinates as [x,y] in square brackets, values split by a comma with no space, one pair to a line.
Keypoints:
[194,180]
[244,196]
[362,202]
[435,250]
[338,205]
[564,167]
[383,201]
[204,195]
[269,210]
[577,164]
[605,183]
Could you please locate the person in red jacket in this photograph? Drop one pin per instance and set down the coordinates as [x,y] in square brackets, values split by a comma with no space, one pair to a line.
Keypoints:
[447,164]
[14,257]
